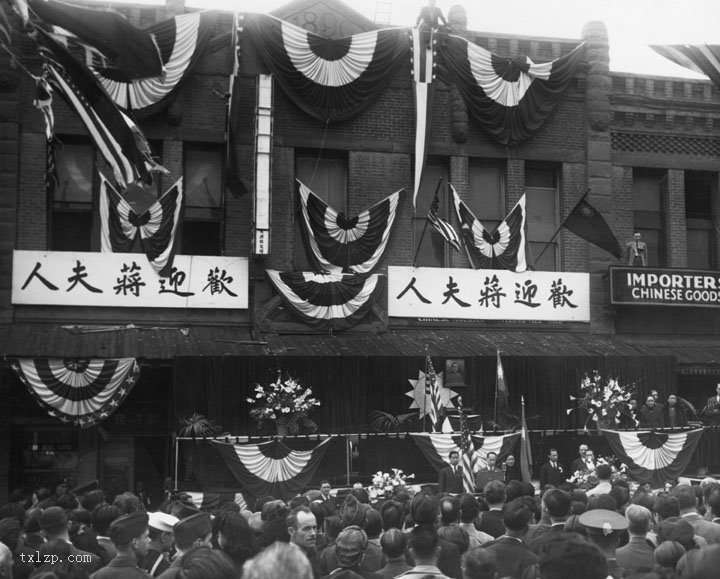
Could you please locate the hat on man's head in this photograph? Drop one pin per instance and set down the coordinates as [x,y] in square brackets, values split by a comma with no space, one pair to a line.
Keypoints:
[8,525]
[353,512]
[126,527]
[162,521]
[86,487]
[602,522]
[194,527]
[53,520]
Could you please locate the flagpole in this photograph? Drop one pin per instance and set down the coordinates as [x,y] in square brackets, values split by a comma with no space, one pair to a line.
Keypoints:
[422,236]
[562,224]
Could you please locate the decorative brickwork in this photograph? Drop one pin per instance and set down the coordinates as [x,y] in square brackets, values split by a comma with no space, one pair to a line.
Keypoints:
[665,144]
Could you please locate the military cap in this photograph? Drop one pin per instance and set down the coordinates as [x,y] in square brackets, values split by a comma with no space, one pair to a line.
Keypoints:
[162,521]
[127,527]
[86,487]
[602,521]
[196,526]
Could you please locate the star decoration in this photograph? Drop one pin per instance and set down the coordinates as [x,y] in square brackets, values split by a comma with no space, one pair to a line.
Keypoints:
[421,398]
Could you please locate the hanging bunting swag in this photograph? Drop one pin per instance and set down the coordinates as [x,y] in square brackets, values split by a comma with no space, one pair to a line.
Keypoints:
[118,139]
[437,447]
[423,70]
[702,58]
[271,468]
[654,457]
[510,98]
[330,79]
[337,244]
[327,301]
[79,392]
[505,246]
[133,51]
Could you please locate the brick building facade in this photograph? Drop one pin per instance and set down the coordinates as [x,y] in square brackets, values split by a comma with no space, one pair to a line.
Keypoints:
[646,147]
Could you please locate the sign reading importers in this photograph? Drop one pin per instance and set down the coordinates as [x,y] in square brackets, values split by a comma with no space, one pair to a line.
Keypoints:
[122,280]
[664,287]
[488,294]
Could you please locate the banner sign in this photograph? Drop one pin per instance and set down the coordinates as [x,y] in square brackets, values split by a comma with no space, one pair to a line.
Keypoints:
[488,294]
[668,287]
[126,280]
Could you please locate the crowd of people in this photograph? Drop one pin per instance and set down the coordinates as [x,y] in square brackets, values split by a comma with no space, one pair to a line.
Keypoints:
[509,530]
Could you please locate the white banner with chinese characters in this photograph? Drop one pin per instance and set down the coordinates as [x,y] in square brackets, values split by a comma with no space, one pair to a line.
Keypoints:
[488,294]
[126,280]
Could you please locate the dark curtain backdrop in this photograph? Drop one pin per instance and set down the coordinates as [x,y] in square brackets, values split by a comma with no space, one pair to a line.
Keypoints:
[351,387]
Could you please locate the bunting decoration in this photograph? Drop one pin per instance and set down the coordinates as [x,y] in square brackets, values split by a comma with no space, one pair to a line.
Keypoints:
[133,51]
[653,456]
[454,424]
[330,79]
[210,501]
[338,244]
[420,393]
[78,392]
[423,73]
[446,231]
[271,468]
[701,58]
[437,446]
[510,98]
[157,226]
[327,301]
[505,246]
[118,139]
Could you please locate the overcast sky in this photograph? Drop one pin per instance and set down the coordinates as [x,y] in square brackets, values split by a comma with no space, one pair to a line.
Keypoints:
[631,24]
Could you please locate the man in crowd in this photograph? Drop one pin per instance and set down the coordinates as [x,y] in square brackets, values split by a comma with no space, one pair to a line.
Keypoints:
[425,512]
[570,556]
[637,555]
[551,473]
[302,528]
[469,510]
[687,499]
[491,521]
[490,472]
[192,531]
[55,525]
[450,478]
[556,506]
[604,474]
[393,543]
[425,551]
[6,562]
[160,526]
[129,534]
[513,554]
[284,560]
[603,529]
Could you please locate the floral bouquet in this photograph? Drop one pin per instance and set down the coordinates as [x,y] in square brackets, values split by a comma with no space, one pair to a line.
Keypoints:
[285,402]
[587,479]
[384,484]
[603,402]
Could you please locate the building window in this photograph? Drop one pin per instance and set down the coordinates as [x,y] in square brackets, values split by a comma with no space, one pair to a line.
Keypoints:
[487,192]
[433,250]
[71,199]
[325,174]
[541,203]
[202,222]
[649,186]
[698,219]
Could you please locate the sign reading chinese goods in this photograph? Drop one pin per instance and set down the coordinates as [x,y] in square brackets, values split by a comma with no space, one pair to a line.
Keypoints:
[667,287]
[488,294]
[124,280]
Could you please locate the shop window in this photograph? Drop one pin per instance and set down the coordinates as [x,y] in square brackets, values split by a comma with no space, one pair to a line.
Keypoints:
[325,174]
[433,250]
[541,203]
[698,219]
[649,186]
[203,187]
[71,198]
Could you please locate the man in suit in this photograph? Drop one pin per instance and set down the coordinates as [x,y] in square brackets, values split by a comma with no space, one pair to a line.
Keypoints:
[450,479]
[393,543]
[637,555]
[687,500]
[491,522]
[636,251]
[551,473]
[580,463]
[490,472]
[513,554]
[556,505]
[712,407]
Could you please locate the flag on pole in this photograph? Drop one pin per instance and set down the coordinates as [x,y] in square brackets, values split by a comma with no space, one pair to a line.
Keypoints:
[525,450]
[441,226]
[585,221]
[433,389]
[501,391]
[467,451]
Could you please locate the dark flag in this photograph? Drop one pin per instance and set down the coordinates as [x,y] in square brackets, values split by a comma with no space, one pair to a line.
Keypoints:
[501,391]
[446,230]
[585,221]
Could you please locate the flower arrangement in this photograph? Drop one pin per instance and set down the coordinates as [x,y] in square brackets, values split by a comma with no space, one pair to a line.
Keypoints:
[587,479]
[285,402]
[603,402]
[385,484]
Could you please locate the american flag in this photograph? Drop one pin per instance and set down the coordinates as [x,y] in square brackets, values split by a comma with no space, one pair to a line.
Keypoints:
[467,451]
[433,390]
[441,226]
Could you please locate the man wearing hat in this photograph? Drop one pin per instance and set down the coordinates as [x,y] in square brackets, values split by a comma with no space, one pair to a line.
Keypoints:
[603,529]
[129,534]
[160,527]
[194,531]
[55,525]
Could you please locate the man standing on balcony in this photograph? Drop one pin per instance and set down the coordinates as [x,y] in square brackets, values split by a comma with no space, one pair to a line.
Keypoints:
[636,252]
